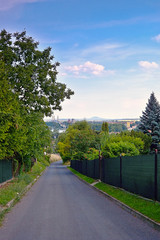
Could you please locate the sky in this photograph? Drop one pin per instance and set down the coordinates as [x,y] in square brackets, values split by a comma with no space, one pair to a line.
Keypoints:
[109,51]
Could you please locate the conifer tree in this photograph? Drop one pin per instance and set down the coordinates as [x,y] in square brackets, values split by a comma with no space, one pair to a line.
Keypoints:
[150,121]
[105,127]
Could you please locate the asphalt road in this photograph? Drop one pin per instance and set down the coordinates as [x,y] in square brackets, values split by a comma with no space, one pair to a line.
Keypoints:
[61,207]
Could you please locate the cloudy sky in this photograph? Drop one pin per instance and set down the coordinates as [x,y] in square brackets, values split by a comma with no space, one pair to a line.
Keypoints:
[109,50]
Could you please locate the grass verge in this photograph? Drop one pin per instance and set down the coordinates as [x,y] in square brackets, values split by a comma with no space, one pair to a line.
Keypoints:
[15,188]
[10,190]
[148,208]
[85,178]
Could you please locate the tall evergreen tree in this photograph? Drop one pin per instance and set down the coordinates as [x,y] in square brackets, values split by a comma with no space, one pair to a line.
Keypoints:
[105,127]
[150,121]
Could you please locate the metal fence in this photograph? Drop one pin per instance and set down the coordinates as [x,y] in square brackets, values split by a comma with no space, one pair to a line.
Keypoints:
[5,170]
[137,174]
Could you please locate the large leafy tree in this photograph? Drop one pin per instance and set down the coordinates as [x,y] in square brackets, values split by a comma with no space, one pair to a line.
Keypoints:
[28,90]
[150,120]
[31,73]
[12,132]
[76,142]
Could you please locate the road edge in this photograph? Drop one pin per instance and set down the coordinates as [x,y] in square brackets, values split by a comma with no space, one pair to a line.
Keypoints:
[11,203]
[135,213]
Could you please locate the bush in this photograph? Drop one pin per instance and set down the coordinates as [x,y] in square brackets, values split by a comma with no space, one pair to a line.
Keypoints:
[114,149]
[76,141]
[92,154]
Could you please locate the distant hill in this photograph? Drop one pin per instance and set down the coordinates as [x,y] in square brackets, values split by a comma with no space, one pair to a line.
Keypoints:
[96,119]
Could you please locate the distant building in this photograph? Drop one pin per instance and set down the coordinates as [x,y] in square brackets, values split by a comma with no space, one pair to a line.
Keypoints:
[128,124]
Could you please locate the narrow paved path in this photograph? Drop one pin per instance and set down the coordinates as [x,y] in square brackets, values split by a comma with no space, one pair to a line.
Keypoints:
[61,207]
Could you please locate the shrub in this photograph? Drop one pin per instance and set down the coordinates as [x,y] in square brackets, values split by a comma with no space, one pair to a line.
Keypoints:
[114,149]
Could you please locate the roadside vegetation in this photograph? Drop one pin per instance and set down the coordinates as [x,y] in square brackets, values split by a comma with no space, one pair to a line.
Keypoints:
[80,142]
[85,178]
[13,190]
[16,186]
[148,208]
[28,91]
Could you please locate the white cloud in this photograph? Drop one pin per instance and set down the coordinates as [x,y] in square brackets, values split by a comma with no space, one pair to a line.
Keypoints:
[7,4]
[96,49]
[88,68]
[157,38]
[148,65]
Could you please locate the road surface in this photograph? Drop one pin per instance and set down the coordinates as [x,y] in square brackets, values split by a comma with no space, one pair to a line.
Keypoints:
[61,207]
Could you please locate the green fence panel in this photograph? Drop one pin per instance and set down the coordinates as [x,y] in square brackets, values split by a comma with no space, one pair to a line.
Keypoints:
[5,170]
[84,167]
[96,169]
[112,171]
[90,168]
[77,166]
[80,166]
[138,175]
[73,164]
[158,179]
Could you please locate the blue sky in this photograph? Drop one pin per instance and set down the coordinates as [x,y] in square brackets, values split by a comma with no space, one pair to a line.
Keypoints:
[109,50]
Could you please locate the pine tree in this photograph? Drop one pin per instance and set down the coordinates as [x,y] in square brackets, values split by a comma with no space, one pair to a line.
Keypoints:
[105,127]
[150,121]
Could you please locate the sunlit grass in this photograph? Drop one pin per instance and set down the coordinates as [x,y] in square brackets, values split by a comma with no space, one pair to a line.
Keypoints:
[149,208]
[85,178]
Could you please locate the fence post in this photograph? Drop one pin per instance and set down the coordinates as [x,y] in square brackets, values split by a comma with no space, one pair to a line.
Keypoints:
[120,171]
[155,176]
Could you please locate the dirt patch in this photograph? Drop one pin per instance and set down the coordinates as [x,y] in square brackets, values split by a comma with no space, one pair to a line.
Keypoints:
[55,157]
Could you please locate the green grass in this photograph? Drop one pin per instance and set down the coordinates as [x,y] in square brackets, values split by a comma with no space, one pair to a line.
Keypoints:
[85,178]
[15,188]
[149,208]
[12,189]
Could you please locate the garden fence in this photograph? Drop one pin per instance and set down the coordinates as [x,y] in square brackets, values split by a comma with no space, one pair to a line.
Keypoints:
[137,174]
[5,170]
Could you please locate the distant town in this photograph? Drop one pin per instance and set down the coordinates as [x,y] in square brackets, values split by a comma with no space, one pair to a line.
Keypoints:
[58,126]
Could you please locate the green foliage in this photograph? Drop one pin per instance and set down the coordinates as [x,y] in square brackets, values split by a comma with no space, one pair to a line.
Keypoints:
[12,137]
[105,127]
[28,90]
[126,143]
[17,186]
[92,154]
[25,177]
[114,149]
[113,127]
[150,121]
[117,127]
[81,142]
[32,73]
[147,140]
[76,141]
